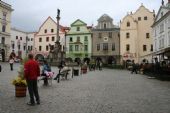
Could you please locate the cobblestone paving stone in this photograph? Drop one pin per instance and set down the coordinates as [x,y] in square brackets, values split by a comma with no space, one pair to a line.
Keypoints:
[107,91]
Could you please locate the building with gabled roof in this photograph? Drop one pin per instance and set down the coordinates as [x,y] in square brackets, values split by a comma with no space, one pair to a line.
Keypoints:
[46,37]
[136,41]
[78,41]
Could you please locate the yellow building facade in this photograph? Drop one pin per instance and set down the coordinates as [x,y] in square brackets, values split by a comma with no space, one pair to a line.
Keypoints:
[136,42]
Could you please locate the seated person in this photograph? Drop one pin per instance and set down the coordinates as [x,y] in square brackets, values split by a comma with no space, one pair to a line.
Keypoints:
[61,71]
[46,71]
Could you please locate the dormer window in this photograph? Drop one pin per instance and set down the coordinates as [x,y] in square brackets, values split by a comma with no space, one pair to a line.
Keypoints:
[104,25]
[128,24]
[78,28]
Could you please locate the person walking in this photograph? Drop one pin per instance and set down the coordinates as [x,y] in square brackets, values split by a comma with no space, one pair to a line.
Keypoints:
[11,62]
[134,68]
[31,73]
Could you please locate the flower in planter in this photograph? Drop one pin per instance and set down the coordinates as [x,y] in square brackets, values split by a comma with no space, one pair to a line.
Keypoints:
[19,81]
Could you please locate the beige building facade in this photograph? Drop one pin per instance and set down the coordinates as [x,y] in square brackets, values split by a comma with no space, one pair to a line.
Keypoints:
[136,41]
[5,30]
[46,37]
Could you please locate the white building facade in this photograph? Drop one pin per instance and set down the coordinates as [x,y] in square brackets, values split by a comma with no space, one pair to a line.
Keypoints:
[161,33]
[46,37]
[21,42]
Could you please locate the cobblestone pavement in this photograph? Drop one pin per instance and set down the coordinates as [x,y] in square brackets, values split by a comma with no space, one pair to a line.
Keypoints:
[107,91]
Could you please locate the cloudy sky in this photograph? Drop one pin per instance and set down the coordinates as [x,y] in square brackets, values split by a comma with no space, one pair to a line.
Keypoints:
[28,15]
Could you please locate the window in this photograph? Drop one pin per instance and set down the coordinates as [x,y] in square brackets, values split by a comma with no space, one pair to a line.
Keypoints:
[47,47]
[78,39]
[127,47]
[147,35]
[78,28]
[4,15]
[85,47]
[110,34]
[19,46]
[70,47]
[139,18]
[144,48]
[113,47]
[40,48]
[85,38]
[28,48]
[20,38]
[128,24]
[24,47]
[3,28]
[76,47]
[161,28]
[12,44]
[3,40]
[145,18]
[104,25]
[105,46]
[127,35]
[100,35]
[31,39]
[47,39]
[52,30]
[16,37]
[151,47]
[53,38]
[45,31]
[31,48]
[40,39]
[98,47]
[71,39]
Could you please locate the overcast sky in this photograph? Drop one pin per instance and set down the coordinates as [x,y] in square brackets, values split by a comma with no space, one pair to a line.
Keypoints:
[28,15]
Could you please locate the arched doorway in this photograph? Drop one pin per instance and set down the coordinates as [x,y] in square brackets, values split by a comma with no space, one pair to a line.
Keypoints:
[111,60]
[86,60]
[39,57]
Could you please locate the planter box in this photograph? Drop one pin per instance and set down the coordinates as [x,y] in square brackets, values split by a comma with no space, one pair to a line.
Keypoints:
[20,91]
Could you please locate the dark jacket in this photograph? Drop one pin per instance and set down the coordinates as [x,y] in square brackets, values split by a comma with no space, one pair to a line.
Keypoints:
[31,70]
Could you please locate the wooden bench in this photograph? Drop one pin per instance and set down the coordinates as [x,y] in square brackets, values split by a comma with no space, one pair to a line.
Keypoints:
[63,74]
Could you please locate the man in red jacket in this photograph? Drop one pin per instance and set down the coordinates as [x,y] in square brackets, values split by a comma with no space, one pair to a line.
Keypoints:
[31,73]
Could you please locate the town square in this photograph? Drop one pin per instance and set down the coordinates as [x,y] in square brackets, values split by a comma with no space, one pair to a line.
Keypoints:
[60,57]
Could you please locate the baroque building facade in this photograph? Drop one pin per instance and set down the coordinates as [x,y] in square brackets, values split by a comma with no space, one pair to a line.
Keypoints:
[161,33]
[106,41]
[78,41]
[46,37]
[136,41]
[5,30]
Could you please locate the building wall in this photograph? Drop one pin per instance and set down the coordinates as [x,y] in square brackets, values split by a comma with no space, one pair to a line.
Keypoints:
[48,25]
[161,32]
[5,9]
[82,33]
[137,39]
[19,37]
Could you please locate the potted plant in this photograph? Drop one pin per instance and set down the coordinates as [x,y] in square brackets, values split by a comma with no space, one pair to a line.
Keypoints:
[20,83]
